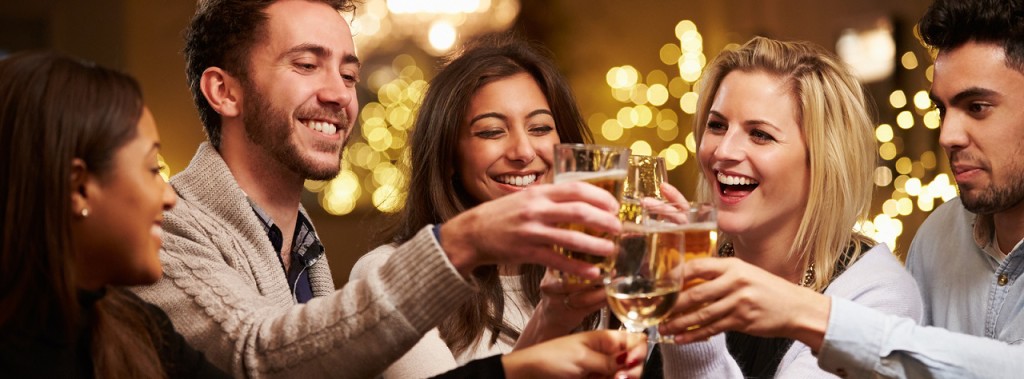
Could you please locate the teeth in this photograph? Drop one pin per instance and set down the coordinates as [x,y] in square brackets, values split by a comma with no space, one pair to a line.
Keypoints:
[322,127]
[734,180]
[516,180]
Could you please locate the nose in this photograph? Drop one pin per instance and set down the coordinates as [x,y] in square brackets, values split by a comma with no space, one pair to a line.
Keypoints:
[521,147]
[334,91]
[730,146]
[170,198]
[953,134]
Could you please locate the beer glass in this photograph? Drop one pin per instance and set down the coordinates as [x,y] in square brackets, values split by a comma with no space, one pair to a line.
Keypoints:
[603,166]
[701,240]
[647,274]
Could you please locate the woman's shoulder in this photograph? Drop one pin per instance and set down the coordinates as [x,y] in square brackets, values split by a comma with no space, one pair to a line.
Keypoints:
[878,280]
[371,261]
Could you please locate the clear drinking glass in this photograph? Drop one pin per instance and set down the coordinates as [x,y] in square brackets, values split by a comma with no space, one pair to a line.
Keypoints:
[603,166]
[647,274]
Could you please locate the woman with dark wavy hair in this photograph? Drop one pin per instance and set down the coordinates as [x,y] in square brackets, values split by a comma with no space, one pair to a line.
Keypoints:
[487,128]
[80,212]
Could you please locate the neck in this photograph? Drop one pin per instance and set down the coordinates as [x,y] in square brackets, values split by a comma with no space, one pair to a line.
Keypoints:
[276,188]
[508,270]
[1009,227]
[771,254]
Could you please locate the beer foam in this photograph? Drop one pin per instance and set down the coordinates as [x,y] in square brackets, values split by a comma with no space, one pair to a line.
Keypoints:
[707,225]
[590,176]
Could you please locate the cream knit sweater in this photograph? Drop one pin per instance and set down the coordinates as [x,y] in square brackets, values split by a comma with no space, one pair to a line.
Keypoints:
[226,292]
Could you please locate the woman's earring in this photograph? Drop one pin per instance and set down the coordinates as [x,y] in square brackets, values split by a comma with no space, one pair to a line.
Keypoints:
[84,213]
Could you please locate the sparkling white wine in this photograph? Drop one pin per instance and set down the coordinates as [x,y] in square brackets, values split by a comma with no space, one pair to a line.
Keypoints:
[640,302]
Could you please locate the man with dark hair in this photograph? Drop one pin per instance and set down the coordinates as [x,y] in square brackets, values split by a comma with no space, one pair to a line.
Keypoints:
[967,257]
[245,280]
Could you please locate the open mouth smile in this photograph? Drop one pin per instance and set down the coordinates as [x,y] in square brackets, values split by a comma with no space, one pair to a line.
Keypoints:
[325,127]
[516,180]
[734,185]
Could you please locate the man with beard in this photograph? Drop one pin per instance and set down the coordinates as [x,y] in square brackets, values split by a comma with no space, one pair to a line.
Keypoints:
[967,258]
[245,278]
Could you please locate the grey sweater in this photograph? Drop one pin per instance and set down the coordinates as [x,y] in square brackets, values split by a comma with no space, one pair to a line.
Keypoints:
[226,292]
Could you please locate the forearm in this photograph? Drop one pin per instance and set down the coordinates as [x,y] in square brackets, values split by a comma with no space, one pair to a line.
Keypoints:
[708,359]
[358,330]
[865,342]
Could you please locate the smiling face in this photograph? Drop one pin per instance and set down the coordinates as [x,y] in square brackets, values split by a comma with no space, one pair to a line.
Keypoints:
[122,232]
[507,139]
[982,105]
[299,98]
[754,155]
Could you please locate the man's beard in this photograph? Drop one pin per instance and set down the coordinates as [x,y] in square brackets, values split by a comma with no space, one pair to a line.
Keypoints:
[270,128]
[995,198]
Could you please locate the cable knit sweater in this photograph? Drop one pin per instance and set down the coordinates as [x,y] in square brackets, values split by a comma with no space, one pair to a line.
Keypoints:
[226,292]
[876,280]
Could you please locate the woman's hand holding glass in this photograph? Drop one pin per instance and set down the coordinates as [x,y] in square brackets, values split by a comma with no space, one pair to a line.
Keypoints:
[562,308]
[738,296]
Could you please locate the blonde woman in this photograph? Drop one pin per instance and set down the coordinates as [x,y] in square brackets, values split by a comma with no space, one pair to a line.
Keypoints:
[787,151]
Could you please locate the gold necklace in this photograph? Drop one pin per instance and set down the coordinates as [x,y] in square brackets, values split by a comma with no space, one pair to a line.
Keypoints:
[807,281]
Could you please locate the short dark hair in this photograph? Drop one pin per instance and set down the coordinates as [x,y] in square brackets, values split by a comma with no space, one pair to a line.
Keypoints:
[221,34]
[951,23]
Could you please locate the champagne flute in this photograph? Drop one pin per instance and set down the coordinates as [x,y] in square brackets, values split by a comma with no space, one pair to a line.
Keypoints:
[647,275]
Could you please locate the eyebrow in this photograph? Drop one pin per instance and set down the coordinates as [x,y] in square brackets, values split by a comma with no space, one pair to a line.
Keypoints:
[321,52]
[748,122]
[487,115]
[505,118]
[965,94]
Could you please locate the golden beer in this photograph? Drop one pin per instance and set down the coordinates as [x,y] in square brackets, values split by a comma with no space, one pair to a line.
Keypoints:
[700,241]
[610,181]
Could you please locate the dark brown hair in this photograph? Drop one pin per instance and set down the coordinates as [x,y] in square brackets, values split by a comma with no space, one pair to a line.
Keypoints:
[53,109]
[222,34]
[949,24]
[435,195]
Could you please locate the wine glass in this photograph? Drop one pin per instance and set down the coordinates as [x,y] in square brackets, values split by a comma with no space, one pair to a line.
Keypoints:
[647,275]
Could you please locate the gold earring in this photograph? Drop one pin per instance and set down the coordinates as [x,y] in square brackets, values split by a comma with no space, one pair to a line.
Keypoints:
[85,212]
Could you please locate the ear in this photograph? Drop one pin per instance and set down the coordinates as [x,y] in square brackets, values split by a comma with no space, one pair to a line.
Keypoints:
[222,91]
[80,178]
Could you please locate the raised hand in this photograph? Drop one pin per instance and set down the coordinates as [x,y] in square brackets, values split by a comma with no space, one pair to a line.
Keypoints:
[561,309]
[739,296]
[595,354]
[524,228]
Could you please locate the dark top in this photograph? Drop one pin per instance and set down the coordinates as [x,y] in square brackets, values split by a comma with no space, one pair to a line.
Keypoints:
[47,354]
[306,250]
[489,367]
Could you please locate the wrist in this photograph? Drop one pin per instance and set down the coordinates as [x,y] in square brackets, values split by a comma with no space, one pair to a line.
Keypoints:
[810,325]
[456,247]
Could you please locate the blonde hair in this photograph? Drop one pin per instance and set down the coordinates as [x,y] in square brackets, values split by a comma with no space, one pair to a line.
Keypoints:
[835,122]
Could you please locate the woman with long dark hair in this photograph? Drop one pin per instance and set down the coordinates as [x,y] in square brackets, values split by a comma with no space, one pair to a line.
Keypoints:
[487,128]
[80,211]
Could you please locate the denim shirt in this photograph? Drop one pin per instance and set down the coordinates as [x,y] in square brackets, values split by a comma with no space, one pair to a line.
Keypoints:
[973,310]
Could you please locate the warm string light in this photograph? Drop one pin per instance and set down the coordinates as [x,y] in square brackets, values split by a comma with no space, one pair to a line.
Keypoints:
[899,173]
[374,163]
[657,101]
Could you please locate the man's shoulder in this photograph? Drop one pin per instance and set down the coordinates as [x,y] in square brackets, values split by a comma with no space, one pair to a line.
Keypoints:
[945,216]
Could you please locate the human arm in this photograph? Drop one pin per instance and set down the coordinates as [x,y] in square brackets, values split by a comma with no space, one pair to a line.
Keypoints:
[523,227]
[233,303]
[866,342]
[562,308]
[431,355]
